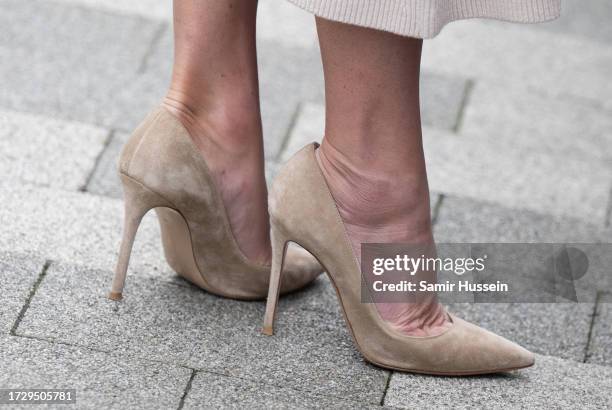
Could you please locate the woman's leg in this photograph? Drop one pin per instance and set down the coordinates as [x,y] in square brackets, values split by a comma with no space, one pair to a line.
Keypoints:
[214,92]
[372,153]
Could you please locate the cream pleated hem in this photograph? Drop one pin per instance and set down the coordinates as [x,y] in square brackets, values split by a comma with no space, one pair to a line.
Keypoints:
[425,18]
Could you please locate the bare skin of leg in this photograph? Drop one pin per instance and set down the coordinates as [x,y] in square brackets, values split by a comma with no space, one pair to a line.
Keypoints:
[214,93]
[372,154]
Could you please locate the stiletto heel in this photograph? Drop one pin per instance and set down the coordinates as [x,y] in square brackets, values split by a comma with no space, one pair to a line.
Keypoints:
[301,204]
[162,168]
[138,201]
[279,245]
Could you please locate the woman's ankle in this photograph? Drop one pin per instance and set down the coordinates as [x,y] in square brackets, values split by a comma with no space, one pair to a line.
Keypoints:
[373,203]
[379,208]
[230,126]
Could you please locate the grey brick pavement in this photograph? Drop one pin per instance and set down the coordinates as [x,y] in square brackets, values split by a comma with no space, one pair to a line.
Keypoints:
[584,18]
[468,220]
[556,64]
[531,121]
[517,177]
[219,391]
[71,62]
[517,137]
[552,383]
[177,324]
[102,380]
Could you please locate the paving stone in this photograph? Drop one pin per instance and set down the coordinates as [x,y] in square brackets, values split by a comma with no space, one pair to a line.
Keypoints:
[285,23]
[516,176]
[562,128]
[309,127]
[556,329]
[18,273]
[101,380]
[600,348]
[218,391]
[76,227]
[69,62]
[311,351]
[551,383]
[136,98]
[47,152]
[468,220]
[584,18]
[152,9]
[288,76]
[442,97]
[521,56]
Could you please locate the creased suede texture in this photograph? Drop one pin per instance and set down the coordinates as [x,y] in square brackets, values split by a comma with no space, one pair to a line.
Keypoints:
[302,208]
[161,156]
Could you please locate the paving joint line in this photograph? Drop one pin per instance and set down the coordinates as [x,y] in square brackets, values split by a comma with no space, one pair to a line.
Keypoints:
[587,347]
[278,386]
[387,384]
[467,94]
[59,342]
[187,389]
[608,216]
[290,127]
[136,357]
[33,289]
[157,36]
[107,141]
[436,209]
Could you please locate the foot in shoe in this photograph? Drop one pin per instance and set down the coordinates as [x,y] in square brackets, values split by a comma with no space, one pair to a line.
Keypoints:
[231,146]
[380,208]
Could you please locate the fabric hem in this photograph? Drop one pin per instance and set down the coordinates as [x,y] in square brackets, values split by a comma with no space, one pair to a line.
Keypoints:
[426,18]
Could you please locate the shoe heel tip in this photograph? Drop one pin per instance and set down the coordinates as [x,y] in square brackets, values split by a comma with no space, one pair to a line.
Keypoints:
[115,296]
[268,331]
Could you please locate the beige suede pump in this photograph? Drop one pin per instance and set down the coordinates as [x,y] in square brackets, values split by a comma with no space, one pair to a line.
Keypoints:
[302,210]
[161,169]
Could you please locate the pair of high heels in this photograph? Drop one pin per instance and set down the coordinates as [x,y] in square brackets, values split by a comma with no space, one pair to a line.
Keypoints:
[161,169]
